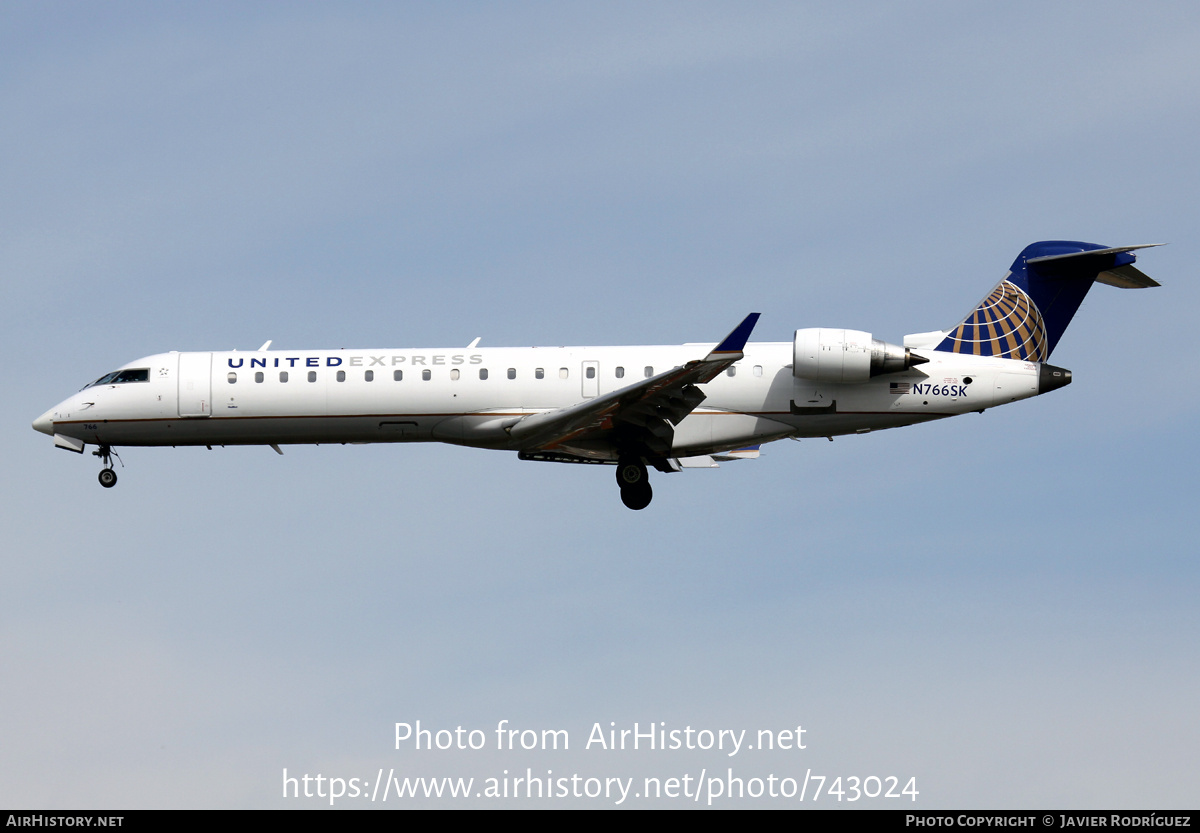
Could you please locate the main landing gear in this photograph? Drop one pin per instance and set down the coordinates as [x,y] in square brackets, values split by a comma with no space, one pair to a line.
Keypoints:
[634,482]
[108,477]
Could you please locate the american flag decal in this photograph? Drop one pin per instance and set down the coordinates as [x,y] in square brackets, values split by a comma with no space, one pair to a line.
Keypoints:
[899,387]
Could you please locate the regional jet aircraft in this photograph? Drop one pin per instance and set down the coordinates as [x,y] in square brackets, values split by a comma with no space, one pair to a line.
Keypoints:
[635,408]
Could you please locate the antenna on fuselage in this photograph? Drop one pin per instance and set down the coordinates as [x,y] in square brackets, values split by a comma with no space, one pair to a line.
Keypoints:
[264,347]
[474,343]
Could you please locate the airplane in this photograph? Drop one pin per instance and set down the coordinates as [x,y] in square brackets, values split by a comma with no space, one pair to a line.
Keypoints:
[635,408]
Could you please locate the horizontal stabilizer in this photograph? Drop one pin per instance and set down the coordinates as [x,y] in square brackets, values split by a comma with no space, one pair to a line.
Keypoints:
[1119,274]
[1086,253]
[1127,277]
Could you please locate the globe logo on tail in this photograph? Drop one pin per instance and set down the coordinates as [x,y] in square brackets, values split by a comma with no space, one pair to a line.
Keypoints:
[1006,324]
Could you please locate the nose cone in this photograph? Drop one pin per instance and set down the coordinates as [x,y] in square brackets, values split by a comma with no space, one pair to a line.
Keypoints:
[44,423]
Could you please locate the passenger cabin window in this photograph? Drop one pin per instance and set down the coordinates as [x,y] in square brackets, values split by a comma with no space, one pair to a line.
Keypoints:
[590,372]
[483,373]
[258,376]
[454,374]
[512,373]
[563,373]
[397,375]
[369,375]
[758,370]
[620,373]
[232,377]
[426,375]
[341,375]
[283,375]
[732,371]
[312,375]
[540,373]
[649,371]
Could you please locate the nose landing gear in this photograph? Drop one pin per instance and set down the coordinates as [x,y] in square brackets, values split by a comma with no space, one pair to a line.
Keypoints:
[635,485]
[108,477]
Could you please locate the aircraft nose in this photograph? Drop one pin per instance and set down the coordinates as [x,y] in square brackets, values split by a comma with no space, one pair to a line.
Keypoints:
[45,423]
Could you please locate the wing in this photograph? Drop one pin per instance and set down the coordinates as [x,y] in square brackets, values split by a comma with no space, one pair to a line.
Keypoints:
[639,419]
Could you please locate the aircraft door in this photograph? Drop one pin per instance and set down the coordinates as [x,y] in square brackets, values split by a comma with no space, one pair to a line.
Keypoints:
[590,373]
[195,384]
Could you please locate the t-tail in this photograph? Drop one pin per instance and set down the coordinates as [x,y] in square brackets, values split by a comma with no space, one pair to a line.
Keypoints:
[1028,311]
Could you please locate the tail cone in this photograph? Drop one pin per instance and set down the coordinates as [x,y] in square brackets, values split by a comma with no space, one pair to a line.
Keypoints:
[1052,378]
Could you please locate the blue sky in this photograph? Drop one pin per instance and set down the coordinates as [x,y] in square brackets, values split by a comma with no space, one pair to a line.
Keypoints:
[1000,605]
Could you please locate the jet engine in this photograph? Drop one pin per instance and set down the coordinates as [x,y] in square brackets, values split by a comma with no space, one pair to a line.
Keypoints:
[822,354]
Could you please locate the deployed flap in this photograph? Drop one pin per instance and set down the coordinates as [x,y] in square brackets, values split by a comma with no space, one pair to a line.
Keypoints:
[644,413]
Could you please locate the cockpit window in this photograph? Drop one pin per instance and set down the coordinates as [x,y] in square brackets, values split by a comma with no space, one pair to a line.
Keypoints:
[120,377]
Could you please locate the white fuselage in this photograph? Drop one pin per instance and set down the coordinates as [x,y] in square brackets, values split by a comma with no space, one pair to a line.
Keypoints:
[472,396]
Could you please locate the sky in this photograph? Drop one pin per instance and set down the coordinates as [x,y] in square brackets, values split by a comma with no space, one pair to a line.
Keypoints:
[1001,608]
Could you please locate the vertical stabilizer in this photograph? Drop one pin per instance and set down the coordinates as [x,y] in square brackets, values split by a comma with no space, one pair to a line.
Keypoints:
[1029,310]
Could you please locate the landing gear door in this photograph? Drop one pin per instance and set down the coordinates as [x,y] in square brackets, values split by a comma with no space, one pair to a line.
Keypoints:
[195,384]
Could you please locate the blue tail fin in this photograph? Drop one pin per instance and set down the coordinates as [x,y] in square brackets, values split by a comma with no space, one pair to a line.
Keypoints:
[1028,311]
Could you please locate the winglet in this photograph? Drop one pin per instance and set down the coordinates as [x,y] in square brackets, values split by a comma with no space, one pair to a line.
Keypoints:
[735,341]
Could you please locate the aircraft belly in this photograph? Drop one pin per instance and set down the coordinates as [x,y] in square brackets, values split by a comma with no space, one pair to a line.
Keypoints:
[711,432]
[372,428]
[477,430]
[838,424]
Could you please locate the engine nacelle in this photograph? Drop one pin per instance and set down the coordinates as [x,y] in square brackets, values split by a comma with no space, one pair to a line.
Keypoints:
[821,354]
